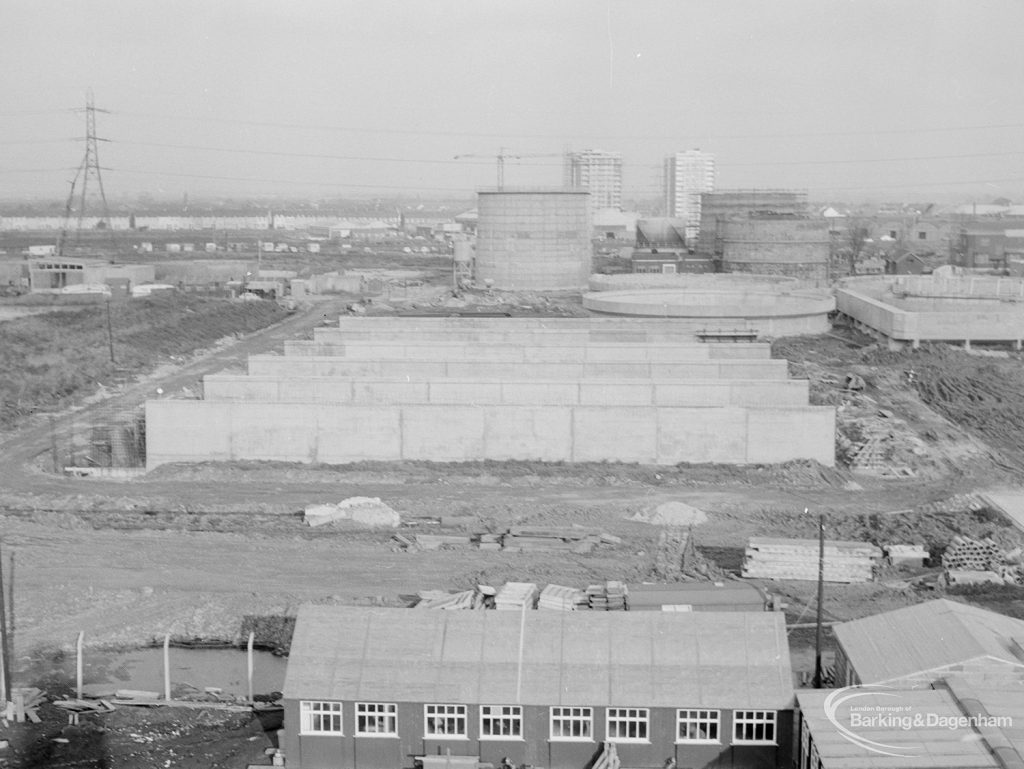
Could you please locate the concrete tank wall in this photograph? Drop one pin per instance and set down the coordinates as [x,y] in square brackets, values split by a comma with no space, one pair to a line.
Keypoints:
[694,394]
[321,346]
[190,431]
[510,352]
[533,240]
[295,366]
[797,248]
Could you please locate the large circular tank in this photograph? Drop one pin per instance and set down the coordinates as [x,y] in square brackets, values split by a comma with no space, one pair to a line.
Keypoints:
[688,281]
[770,245]
[728,302]
[533,239]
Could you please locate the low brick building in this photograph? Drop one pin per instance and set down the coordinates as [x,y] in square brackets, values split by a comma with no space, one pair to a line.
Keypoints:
[383,688]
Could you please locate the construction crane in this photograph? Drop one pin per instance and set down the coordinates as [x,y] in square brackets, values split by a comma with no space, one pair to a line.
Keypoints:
[501,157]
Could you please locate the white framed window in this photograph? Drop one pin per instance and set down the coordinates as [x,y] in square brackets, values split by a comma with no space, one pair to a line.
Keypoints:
[627,724]
[501,722]
[753,726]
[376,719]
[572,724]
[320,717]
[698,725]
[444,721]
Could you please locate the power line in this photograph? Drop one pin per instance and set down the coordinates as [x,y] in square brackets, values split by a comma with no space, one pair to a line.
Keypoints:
[562,136]
[328,156]
[317,156]
[292,181]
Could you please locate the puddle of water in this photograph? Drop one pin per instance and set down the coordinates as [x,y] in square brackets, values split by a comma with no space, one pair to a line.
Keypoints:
[226,669]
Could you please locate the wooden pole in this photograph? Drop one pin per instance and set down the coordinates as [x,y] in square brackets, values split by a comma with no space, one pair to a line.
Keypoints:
[821,600]
[252,638]
[5,656]
[78,663]
[167,667]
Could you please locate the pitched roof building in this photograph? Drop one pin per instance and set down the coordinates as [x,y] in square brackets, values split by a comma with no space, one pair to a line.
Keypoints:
[915,646]
[536,687]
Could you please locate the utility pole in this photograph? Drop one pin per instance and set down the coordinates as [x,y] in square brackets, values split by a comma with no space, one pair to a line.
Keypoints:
[5,654]
[110,334]
[821,600]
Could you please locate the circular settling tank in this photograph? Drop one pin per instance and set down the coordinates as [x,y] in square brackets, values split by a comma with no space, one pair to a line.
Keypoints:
[533,239]
[772,309]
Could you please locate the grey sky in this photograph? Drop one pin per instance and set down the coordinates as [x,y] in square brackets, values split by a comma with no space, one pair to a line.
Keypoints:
[841,97]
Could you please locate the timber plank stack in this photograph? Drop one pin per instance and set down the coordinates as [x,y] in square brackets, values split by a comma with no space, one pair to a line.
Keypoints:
[610,596]
[561,598]
[966,554]
[577,540]
[770,558]
[513,596]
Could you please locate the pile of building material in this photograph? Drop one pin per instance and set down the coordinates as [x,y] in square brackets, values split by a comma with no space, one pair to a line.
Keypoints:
[366,511]
[611,596]
[562,598]
[75,706]
[514,596]
[438,599]
[964,553]
[439,541]
[23,704]
[911,555]
[672,514]
[576,540]
[769,558]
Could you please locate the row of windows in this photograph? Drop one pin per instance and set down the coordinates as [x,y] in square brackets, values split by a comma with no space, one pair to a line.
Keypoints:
[505,722]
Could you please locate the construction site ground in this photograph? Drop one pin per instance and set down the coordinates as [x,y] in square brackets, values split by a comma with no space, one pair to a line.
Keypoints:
[200,551]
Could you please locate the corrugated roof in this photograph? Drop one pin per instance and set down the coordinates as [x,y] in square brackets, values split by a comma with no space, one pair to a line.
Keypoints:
[926,637]
[918,747]
[646,659]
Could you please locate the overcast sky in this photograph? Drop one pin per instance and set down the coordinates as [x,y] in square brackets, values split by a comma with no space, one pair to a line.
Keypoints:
[847,98]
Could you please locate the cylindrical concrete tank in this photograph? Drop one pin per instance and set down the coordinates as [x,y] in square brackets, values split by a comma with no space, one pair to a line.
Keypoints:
[534,239]
[793,246]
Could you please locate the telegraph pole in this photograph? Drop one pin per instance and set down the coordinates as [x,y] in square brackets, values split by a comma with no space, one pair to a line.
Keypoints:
[821,600]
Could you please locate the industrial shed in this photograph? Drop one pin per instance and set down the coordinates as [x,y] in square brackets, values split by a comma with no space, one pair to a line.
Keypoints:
[377,688]
[918,645]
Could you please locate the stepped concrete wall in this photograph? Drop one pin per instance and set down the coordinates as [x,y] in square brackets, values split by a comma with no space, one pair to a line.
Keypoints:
[190,431]
[458,389]
[469,368]
[697,394]
[528,353]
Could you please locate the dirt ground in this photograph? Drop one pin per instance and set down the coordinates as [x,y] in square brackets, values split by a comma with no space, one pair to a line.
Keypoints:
[201,551]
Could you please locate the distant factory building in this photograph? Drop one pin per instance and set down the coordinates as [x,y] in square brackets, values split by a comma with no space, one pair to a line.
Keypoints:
[688,175]
[599,173]
[56,274]
[371,688]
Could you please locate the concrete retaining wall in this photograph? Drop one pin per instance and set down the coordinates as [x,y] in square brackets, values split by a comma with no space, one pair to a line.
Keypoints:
[526,353]
[190,431]
[955,325]
[227,387]
[322,343]
[306,366]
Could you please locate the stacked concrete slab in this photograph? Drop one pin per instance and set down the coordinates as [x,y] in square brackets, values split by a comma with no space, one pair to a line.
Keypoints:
[464,389]
[770,558]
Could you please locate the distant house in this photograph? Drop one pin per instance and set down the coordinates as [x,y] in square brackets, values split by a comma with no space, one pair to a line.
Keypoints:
[915,646]
[370,688]
[912,263]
